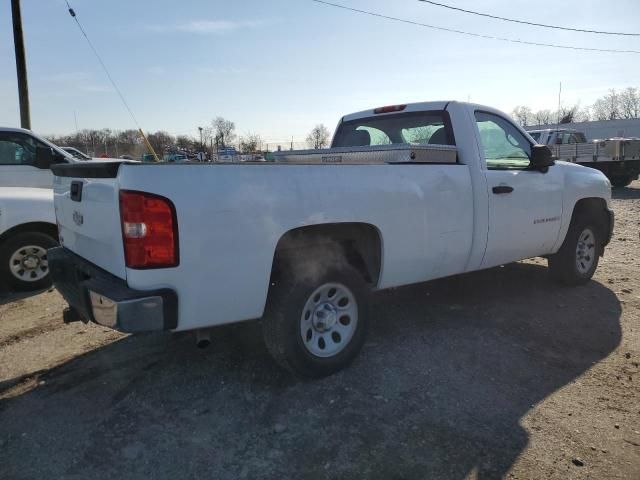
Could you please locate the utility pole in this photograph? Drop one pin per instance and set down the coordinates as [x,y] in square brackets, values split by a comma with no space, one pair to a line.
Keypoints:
[21,65]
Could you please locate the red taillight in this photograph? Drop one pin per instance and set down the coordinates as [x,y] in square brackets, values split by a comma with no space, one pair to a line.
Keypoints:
[390,108]
[149,230]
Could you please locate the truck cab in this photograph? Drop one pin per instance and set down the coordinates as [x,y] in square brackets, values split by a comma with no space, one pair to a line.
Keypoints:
[560,136]
[26,158]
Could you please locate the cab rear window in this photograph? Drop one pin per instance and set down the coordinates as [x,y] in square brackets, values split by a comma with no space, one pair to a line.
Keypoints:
[424,128]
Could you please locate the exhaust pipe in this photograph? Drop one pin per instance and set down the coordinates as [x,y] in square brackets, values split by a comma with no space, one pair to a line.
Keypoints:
[203,338]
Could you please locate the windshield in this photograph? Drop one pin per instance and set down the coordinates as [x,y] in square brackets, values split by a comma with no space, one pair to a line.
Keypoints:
[415,127]
[535,135]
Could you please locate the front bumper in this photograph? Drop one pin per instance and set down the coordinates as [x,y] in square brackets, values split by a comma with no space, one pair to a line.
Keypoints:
[97,296]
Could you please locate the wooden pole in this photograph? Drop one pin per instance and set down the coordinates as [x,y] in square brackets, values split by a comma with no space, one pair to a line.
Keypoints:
[21,65]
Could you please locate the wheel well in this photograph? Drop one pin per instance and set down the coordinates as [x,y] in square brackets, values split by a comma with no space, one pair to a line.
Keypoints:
[595,208]
[40,227]
[359,244]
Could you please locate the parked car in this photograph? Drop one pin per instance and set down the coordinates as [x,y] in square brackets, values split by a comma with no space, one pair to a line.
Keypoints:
[407,193]
[76,153]
[27,230]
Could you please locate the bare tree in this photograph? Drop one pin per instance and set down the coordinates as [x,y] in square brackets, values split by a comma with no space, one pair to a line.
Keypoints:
[607,107]
[318,137]
[185,142]
[250,143]
[543,117]
[629,103]
[224,131]
[523,115]
[161,141]
[583,115]
[567,114]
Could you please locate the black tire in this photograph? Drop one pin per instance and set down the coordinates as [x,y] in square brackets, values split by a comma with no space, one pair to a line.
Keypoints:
[565,266]
[621,181]
[15,244]
[282,326]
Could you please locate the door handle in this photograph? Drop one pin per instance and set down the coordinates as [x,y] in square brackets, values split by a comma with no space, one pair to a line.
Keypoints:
[500,189]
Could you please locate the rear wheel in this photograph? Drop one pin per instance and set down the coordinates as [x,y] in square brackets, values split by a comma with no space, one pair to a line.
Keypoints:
[620,181]
[577,260]
[316,320]
[23,261]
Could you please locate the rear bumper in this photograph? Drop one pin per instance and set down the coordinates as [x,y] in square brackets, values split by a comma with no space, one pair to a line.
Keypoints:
[100,297]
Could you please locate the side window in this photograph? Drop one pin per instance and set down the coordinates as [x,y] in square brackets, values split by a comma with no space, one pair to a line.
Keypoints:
[504,147]
[17,149]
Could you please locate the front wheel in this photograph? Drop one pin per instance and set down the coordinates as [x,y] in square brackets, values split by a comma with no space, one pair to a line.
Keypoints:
[316,324]
[577,260]
[23,261]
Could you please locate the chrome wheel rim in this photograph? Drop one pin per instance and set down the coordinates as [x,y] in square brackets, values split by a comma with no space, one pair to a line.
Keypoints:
[585,251]
[329,319]
[29,263]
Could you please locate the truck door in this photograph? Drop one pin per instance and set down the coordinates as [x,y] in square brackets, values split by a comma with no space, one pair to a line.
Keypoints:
[17,157]
[525,206]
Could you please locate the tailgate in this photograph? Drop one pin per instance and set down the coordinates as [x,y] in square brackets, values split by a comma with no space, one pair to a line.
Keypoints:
[88,213]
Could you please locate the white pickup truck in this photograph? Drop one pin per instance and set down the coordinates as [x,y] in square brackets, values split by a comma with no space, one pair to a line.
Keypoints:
[407,193]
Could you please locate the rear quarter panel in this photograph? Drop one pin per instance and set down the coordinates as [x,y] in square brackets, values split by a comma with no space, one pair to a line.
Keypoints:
[231,217]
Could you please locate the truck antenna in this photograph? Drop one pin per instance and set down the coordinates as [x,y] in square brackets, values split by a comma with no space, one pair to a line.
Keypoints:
[104,67]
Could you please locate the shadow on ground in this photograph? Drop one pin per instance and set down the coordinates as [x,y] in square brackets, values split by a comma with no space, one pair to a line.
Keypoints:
[8,296]
[449,370]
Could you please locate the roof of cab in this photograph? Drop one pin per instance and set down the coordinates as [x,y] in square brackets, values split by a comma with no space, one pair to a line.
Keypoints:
[410,107]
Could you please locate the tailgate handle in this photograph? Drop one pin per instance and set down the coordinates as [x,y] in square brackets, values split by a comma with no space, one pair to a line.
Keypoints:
[76,191]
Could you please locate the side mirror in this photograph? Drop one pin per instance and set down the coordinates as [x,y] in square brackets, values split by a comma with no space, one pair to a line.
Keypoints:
[44,158]
[541,158]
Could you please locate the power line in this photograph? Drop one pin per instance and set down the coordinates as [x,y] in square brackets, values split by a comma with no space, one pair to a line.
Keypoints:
[477,35]
[524,22]
[104,67]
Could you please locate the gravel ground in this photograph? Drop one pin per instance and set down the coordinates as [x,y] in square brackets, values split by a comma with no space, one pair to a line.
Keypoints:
[487,375]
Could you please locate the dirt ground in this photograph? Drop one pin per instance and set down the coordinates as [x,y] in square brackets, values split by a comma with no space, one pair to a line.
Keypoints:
[487,375]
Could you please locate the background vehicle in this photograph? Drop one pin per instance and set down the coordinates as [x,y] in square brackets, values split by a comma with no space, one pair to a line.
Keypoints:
[175,158]
[407,193]
[76,153]
[25,159]
[27,230]
[617,158]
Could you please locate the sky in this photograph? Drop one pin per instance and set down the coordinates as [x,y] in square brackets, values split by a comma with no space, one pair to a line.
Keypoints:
[279,67]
